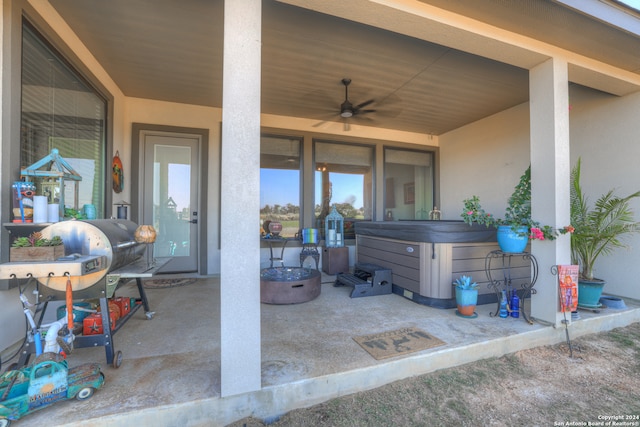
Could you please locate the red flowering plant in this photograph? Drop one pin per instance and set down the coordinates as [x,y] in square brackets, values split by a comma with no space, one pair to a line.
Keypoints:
[517,214]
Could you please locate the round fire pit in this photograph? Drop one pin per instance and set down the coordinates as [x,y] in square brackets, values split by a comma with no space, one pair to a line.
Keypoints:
[289,285]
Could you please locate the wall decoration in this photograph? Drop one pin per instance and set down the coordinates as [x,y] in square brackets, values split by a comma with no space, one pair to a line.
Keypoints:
[117,173]
[409,193]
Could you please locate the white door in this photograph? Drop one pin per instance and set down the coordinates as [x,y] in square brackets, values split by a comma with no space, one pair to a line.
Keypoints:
[170,197]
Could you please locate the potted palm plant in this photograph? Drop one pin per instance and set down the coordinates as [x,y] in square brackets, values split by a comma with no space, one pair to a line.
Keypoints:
[598,231]
[466,296]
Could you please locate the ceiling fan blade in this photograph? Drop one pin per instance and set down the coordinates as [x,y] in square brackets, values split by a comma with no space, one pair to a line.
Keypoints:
[364,104]
[318,104]
[365,120]
[325,119]
[389,107]
[361,118]
[366,111]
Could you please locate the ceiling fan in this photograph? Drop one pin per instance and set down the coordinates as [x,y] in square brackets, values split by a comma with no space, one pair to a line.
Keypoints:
[347,109]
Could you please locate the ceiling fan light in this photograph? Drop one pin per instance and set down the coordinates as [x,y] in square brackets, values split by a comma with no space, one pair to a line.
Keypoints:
[346,113]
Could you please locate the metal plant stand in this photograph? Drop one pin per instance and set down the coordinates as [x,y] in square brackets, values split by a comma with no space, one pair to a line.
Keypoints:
[499,263]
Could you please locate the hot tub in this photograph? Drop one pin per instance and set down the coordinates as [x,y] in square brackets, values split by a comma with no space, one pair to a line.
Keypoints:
[427,231]
[427,256]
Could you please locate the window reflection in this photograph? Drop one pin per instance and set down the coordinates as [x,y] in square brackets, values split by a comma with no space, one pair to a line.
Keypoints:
[280,183]
[344,178]
[409,184]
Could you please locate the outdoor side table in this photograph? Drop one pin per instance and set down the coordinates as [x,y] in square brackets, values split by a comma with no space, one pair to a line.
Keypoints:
[279,241]
[507,270]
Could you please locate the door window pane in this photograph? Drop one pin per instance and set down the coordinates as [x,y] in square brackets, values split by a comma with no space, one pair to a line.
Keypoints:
[61,110]
[409,184]
[171,200]
[280,183]
[344,178]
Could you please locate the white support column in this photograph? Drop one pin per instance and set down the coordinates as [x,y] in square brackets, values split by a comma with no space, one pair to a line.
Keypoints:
[240,199]
[550,170]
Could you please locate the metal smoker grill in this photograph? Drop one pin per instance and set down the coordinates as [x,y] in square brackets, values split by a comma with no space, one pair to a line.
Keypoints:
[98,254]
[111,238]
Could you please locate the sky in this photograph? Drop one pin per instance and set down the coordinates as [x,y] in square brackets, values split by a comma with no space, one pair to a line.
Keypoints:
[283,186]
[178,183]
[277,186]
[632,3]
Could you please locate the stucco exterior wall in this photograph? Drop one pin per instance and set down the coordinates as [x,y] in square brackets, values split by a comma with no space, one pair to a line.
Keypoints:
[605,134]
[487,157]
[190,116]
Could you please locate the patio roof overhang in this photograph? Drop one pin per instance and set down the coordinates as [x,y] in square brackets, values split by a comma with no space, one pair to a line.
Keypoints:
[443,64]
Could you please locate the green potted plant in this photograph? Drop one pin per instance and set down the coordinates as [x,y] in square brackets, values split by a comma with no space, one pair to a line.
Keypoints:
[36,248]
[466,296]
[517,226]
[598,231]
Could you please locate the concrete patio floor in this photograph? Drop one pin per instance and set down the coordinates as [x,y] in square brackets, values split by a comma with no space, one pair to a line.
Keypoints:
[170,374]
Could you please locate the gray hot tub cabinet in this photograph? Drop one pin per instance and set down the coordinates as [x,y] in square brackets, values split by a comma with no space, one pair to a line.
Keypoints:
[427,256]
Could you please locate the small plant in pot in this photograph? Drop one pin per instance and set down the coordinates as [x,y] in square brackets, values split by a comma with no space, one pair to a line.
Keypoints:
[517,227]
[35,239]
[35,247]
[466,296]
[598,231]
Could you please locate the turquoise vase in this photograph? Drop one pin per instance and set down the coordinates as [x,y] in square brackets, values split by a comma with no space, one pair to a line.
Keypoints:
[512,241]
[589,293]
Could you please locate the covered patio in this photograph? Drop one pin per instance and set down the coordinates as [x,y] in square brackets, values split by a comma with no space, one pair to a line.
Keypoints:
[170,374]
[213,353]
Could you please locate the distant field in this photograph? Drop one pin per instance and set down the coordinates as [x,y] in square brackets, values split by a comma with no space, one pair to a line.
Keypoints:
[290,228]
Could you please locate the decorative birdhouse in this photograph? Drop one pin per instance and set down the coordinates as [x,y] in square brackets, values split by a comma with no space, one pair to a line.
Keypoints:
[334,230]
[50,174]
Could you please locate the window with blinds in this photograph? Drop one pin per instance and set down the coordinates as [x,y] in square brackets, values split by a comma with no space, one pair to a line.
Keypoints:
[61,110]
[280,182]
[344,178]
[409,184]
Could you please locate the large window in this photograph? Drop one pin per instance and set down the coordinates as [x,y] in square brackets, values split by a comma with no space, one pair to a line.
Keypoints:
[280,183]
[344,178]
[61,110]
[344,175]
[409,184]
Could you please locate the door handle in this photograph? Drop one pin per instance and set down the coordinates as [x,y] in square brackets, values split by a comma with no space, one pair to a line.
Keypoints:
[192,221]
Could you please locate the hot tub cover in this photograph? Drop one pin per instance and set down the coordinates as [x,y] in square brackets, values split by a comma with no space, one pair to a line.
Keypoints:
[444,231]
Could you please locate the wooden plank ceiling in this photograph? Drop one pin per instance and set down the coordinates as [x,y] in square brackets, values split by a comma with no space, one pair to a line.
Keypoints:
[172,51]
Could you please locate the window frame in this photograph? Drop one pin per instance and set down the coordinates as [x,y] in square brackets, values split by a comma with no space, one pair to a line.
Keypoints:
[96,126]
[363,144]
[307,215]
[434,185]
[54,42]
[301,150]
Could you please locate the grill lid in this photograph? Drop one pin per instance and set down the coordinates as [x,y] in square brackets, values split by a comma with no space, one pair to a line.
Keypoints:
[111,239]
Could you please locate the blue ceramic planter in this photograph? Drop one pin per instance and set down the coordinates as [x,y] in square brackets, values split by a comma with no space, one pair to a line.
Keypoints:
[466,299]
[589,293]
[512,241]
